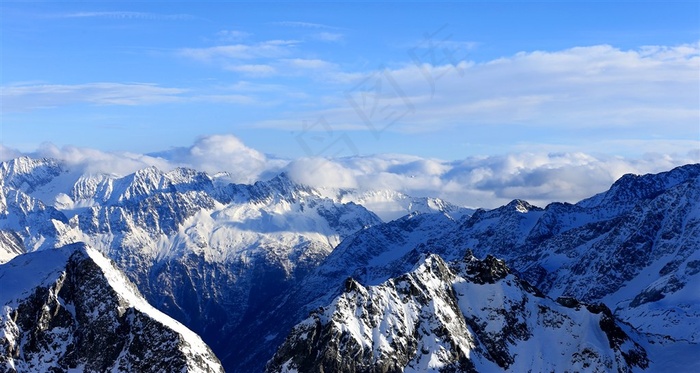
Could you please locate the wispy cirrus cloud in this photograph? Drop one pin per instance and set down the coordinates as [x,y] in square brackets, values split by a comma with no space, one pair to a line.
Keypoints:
[637,91]
[328,36]
[262,59]
[25,97]
[252,70]
[28,97]
[266,49]
[232,35]
[125,15]
[308,63]
[308,25]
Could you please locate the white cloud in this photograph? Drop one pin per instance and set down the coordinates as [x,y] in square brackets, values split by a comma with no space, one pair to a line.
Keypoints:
[328,36]
[97,161]
[17,98]
[7,153]
[302,63]
[232,35]
[212,154]
[34,96]
[254,70]
[225,153]
[125,15]
[597,87]
[275,57]
[236,99]
[267,49]
[319,172]
[304,25]
[489,181]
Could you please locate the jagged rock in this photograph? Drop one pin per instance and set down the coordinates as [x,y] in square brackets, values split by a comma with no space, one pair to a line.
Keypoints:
[442,317]
[249,261]
[487,271]
[70,309]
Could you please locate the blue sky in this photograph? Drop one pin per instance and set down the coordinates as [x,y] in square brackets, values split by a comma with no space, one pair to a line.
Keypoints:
[475,102]
[447,80]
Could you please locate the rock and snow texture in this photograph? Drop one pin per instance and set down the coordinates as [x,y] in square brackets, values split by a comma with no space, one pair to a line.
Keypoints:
[241,264]
[467,316]
[635,247]
[391,205]
[207,253]
[70,309]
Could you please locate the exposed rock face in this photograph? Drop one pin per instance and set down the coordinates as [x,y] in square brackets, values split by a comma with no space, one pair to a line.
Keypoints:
[207,253]
[69,308]
[242,264]
[630,247]
[466,316]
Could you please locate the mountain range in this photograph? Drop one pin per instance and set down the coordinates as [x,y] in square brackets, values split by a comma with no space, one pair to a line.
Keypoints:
[284,277]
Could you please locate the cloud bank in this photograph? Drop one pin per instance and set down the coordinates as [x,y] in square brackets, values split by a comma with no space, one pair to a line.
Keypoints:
[594,87]
[488,181]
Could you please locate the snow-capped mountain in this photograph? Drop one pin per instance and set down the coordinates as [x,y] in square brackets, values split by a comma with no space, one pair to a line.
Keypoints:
[70,309]
[390,204]
[467,316]
[207,253]
[634,247]
[371,256]
[593,252]
[242,264]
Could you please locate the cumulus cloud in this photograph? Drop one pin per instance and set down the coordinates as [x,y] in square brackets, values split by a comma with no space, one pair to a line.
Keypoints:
[99,162]
[212,154]
[225,153]
[490,181]
[320,172]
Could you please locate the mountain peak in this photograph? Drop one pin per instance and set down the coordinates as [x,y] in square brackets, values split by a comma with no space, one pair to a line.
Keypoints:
[631,188]
[27,173]
[487,271]
[434,319]
[70,308]
[522,206]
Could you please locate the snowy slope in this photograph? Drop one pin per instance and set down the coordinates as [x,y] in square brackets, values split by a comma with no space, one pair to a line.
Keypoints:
[207,253]
[70,308]
[466,316]
[632,247]
[390,205]
[371,255]
[241,264]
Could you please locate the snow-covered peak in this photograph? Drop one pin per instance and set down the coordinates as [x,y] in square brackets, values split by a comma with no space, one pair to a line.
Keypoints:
[71,309]
[437,318]
[27,173]
[630,188]
[390,204]
[521,206]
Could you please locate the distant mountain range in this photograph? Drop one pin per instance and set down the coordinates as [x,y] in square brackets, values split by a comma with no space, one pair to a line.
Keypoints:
[280,276]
